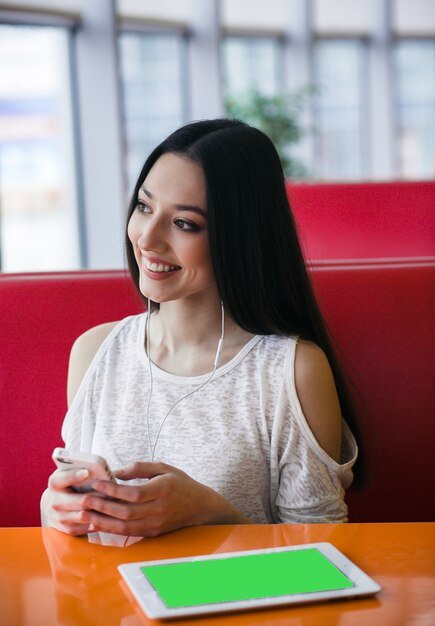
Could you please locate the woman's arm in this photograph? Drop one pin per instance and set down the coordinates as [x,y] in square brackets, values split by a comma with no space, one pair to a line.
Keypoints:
[60,506]
[312,470]
[318,397]
[83,351]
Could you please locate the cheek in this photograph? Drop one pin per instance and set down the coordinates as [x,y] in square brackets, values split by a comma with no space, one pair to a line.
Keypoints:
[198,255]
[132,230]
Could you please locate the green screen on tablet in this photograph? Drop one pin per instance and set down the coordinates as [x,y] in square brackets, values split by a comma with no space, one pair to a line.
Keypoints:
[230,579]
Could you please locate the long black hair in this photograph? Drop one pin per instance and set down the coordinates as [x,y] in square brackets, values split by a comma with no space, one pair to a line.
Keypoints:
[257,259]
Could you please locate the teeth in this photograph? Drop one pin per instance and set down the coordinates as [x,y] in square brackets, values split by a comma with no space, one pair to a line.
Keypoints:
[158,267]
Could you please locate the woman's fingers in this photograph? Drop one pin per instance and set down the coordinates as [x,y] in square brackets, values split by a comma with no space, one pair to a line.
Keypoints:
[70,522]
[75,530]
[159,476]
[144,469]
[148,509]
[133,494]
[123,511]
[70,501]
[65,511]
[62,479]
[148,527]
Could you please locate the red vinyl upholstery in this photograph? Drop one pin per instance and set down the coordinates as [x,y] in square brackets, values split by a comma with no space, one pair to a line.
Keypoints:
[382,320]
[369,221]
[40,317]
[380,315]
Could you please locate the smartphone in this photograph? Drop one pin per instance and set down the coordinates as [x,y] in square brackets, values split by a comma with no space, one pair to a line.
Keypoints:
[97,466]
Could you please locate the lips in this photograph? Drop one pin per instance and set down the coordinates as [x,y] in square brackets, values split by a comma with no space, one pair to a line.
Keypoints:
[158,267]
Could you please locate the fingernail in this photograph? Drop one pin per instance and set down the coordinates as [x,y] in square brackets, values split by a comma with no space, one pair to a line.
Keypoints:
[81,474]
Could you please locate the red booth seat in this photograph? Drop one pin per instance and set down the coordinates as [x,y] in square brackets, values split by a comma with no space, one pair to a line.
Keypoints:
[40,317]
[369,221]
[381,317]
[382,320]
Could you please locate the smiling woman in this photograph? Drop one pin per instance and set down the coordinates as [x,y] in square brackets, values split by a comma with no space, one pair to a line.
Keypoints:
[168,231]
[224,402]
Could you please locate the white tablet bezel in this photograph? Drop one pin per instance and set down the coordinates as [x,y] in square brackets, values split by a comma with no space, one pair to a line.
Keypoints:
[154,607]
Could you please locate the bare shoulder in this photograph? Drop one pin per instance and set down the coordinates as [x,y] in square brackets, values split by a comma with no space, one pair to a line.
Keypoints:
[83,351]
[318,396]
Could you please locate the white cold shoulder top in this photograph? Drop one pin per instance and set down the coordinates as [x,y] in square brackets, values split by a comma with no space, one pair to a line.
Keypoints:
[243,434]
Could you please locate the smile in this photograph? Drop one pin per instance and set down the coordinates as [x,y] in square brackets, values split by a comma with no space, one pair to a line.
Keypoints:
[158,267]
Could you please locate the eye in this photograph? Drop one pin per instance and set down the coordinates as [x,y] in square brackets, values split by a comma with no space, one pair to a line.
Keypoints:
[141,207]
[188,226]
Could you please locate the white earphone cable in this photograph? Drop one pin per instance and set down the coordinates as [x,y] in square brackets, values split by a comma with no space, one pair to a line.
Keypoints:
[215,366]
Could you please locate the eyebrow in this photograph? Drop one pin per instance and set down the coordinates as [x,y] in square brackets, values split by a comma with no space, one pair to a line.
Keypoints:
[180,207]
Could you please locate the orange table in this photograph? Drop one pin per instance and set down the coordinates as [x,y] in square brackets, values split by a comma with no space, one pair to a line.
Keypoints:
[48,578]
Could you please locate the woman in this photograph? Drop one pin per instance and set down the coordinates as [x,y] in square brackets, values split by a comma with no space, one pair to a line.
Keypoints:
[222,405]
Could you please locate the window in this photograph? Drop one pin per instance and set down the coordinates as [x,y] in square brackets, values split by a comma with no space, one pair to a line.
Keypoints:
[339,76]
[252,62]
[414,72]
[153,93]
[38,203]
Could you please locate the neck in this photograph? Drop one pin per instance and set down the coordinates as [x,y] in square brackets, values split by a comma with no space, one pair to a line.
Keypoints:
[184,339]
[185,327]
[182,325]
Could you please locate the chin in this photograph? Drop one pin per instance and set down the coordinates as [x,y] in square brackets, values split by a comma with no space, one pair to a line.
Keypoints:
[158,298]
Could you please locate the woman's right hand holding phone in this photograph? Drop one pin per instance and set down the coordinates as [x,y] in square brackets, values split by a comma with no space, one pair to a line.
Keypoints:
[61,506]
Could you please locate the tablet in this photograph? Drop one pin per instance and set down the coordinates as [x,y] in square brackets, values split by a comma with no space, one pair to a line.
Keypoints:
[234,581]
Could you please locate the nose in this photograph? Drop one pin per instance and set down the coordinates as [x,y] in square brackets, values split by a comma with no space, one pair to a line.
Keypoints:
[152,236]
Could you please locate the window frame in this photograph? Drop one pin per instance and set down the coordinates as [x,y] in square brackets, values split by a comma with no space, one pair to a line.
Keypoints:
[397,40]
[69,23]
[277,37]
[363,103]
[141,27]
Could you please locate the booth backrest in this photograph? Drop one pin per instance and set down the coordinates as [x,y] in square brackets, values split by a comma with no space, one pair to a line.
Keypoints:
[40,317]
[381,318]
[365,221]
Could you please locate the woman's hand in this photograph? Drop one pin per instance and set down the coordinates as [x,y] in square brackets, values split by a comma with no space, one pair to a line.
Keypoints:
[170,499]
[61,507]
